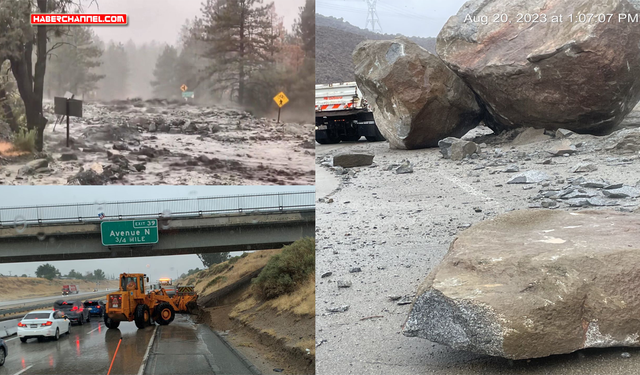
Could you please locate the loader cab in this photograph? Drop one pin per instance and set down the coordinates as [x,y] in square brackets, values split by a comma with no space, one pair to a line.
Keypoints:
[133,283]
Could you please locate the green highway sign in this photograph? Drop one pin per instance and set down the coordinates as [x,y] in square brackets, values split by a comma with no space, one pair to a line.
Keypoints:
[129,232]
[188,94]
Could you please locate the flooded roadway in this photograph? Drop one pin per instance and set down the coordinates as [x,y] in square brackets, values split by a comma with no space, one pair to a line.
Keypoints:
[182,347]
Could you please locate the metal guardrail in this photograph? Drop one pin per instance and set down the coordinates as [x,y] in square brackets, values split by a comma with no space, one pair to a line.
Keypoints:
[26,307]
[158,208]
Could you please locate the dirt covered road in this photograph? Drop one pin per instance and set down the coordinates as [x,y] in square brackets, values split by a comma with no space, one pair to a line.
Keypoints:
[381,233]
[158,142]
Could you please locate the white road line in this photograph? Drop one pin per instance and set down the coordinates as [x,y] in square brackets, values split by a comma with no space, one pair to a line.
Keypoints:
[10,339]
[23,370]
[146,354]
[93,330]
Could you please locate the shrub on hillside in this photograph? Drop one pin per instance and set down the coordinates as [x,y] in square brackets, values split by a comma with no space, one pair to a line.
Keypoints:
[285,271]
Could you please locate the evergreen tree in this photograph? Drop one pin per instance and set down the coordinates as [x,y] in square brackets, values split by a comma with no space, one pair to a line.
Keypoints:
[240,38]
[47,271]
[72,67]
[165,83]
[115,68]
[210,259]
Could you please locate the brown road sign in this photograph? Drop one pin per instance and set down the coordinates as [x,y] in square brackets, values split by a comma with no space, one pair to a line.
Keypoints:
[281,99]
[183,87]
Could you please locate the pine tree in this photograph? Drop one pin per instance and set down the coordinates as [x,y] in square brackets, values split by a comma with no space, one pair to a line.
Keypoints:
[72,67]
[115,68]
[240,42]
[165,83]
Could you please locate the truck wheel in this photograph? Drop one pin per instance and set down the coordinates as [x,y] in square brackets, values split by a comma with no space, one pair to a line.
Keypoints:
[110,323]
[331,138]
[141,316]
[164,314]
[378,137]
[351,138]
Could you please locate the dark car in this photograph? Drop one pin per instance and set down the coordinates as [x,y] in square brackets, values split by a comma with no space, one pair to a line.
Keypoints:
[95,307]
[3,351]
[73,309]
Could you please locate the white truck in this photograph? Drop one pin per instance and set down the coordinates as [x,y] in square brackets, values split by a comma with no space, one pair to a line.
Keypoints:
[342,114]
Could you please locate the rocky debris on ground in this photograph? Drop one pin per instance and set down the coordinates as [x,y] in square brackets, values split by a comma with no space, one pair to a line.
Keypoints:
[546,74]
[5,131]
[350,160]
[409,113]
[160,142]
[338,309]
[32,167]
[626,141]
[569,285]
[529,177]
[344,284]
[404,167]
[456,149]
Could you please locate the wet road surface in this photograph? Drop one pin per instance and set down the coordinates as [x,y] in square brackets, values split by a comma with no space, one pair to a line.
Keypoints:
[182,347]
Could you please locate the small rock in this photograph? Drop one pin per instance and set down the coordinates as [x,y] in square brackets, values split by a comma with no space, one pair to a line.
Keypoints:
[350,160]
[455,148]
[394,297]
[338,309]
[512,169]
[326,274]
[355,269]
[564,133]
[623,192]
[625,355]
[405,167]
[564,148]
[584,168]
[344,284]
[529,177]
[68,157]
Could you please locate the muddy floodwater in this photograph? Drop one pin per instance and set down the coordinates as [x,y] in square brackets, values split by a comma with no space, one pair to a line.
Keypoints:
[155,142]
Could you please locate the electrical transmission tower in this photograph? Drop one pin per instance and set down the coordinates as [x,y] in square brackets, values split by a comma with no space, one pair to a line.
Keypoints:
[372,17]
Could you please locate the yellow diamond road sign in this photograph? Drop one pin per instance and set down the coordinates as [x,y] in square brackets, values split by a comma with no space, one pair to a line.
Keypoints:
[281,99]
[183,87]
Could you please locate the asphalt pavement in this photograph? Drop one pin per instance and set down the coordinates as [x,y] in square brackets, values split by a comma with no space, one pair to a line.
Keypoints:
[182,347]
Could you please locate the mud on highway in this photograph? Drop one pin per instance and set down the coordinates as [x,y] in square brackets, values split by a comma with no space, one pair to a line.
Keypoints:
[380,232]
[157,142]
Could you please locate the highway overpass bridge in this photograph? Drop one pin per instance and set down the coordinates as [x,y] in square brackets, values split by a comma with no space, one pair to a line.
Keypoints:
[128,229]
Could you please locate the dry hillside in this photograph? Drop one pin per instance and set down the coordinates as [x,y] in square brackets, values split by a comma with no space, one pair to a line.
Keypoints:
[31,287]
[335,42]
[275,332]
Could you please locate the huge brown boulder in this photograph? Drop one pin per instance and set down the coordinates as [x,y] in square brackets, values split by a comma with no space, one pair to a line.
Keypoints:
[416,99]
[580,72]
[535,283]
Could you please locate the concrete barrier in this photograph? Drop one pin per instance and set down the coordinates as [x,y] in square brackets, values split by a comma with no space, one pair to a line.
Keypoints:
[8,328]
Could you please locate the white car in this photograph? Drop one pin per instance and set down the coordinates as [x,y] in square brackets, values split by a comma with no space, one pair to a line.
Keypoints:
[43,323]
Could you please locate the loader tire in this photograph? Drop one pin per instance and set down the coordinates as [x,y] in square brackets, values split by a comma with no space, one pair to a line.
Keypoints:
[141,316]
[110,323]
[164,314]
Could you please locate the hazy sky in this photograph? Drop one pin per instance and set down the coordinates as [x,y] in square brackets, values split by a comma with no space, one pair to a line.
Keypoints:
[161,20]
[163,266]
[408,17]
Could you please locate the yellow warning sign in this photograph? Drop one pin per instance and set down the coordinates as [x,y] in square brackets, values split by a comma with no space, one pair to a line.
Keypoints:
[281,99]
[183,87]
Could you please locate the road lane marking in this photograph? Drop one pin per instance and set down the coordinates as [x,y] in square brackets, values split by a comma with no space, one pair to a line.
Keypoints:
[93,330]
[10,339]
[23,370]
[146,354]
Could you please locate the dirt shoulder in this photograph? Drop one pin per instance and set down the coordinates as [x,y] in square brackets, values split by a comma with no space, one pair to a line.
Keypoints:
[275,335]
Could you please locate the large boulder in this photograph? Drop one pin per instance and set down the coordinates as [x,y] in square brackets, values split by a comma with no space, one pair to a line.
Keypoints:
[416,99]
[581,74]
[534,283]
